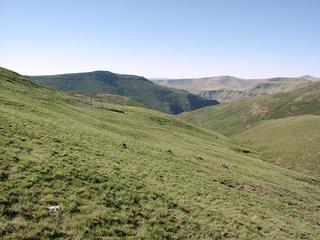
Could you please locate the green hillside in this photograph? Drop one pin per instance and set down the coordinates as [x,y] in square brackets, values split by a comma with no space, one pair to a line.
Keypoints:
[292,141]
[124,172]
[235,117]
[279,125]
[104,97]
[137,88]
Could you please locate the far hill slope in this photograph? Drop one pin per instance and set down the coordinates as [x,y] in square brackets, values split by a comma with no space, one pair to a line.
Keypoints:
[196,85]
[228,88]
[236,117]
[123,172]
[260,122]
[291,141]
[137,88]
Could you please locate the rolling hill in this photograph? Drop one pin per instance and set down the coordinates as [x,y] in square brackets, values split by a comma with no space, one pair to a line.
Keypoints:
[122,172]
[228,88]
[137,88]
[256,121]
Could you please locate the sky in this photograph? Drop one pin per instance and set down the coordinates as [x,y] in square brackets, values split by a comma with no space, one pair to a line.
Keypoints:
[162,38]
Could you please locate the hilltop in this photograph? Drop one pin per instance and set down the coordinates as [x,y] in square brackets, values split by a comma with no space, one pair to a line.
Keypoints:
[137,88]
[278,124]
[228,88]
[122,172]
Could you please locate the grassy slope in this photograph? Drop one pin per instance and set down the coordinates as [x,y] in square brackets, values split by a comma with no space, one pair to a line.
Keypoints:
[235,117]
[291,141]
[138,88]
[242,117]
[171,180]
[104,97]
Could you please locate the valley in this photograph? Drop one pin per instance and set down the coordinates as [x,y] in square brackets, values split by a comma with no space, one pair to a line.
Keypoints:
[125,171]
[159,120]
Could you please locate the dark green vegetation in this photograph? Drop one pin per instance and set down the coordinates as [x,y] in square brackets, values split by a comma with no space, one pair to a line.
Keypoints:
[227,88]
[285,125]
[124,172]
[137,88]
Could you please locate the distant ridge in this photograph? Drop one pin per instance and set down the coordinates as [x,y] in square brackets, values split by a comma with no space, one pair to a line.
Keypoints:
[137,88]
[228,88]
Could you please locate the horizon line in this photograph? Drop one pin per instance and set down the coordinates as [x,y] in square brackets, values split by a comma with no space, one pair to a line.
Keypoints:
[162,78]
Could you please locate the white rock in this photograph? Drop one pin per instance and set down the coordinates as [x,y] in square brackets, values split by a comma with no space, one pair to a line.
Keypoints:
[53,209]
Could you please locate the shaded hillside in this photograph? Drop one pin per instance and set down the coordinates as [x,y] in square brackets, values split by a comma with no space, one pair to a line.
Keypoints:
[224,95]
[124,172]
[254,120]
[137,88]
[227,88]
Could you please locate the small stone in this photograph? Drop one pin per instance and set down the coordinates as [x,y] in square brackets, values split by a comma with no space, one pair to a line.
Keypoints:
[53,209]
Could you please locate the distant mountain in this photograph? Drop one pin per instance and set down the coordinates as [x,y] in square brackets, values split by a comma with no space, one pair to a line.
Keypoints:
[228,88]
[286,126]
[311,78]
[196,85]
[137,88]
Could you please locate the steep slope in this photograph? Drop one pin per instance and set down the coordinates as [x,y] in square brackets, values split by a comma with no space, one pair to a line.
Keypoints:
[227,88]
[244,117]
[124,172]
[224,95]
[137,88]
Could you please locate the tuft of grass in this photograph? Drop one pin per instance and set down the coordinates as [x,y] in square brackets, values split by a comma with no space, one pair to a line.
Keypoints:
[136,174]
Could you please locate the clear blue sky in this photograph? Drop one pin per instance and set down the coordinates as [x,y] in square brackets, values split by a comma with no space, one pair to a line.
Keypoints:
[162,38]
